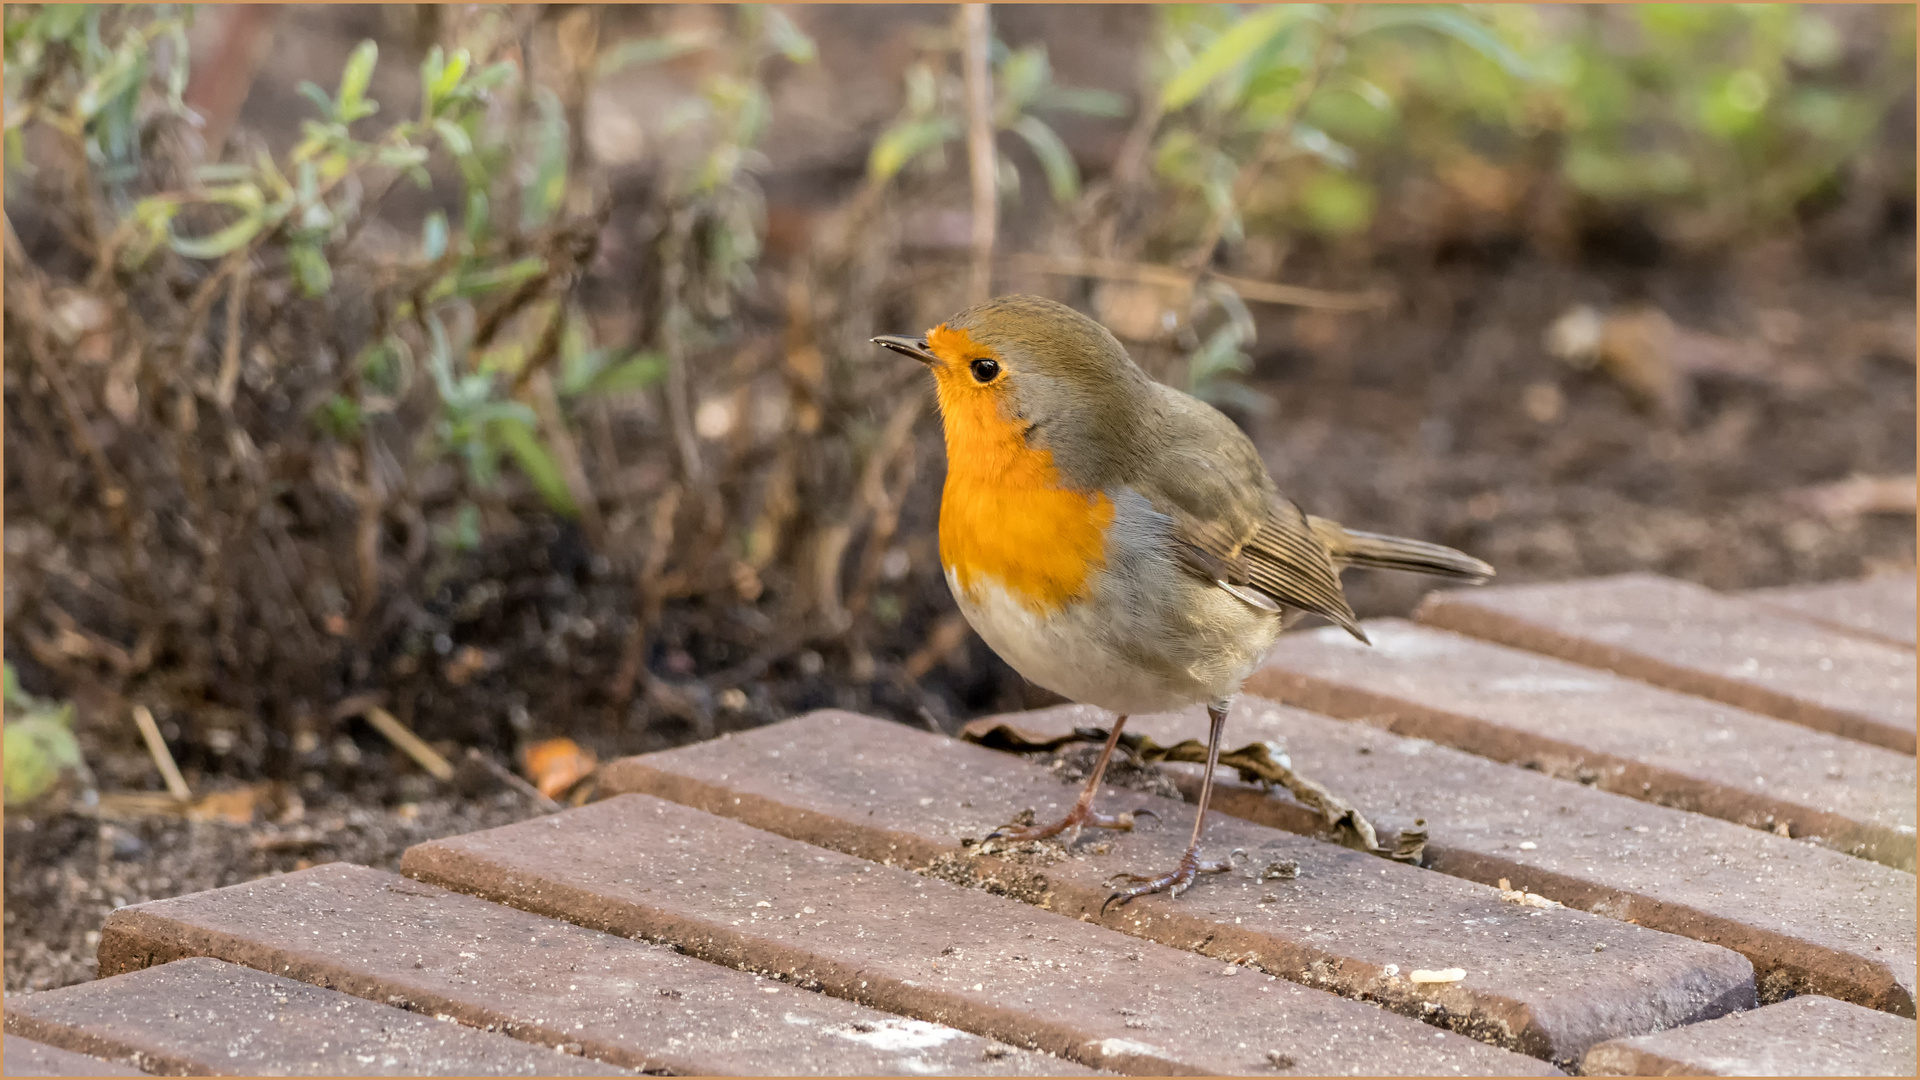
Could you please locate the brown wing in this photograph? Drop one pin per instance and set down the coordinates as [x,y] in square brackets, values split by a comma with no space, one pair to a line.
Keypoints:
[1231,524]
[1282,559]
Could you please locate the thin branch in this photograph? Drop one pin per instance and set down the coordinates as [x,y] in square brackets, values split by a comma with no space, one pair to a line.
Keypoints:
[566,453]
[506,776]
[229,380]
[896,443]
[673,343]
[410,744]
[1154,274]
[976,41]
[162,757]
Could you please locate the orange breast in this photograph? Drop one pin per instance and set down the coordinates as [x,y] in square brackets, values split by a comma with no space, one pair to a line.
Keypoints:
[1005,516]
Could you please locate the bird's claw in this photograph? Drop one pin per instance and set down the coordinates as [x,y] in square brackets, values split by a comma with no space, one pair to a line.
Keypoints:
[1075,820]
[1174,883]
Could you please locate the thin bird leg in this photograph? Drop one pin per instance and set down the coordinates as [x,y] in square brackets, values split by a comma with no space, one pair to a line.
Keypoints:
[1082,812]
[1190,864]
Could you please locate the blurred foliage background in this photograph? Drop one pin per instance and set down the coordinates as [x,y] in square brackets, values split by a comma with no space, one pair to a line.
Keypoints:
[504,369]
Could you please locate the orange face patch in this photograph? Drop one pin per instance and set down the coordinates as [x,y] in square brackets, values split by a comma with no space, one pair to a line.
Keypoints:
[1005,515]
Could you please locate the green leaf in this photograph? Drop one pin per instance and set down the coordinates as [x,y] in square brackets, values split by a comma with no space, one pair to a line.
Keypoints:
[310,268]
[1238,315]
[1316,142]
[221,242]
[923,89]
[1217,356]
[14,697]
[1226,52]
[1063,176]
[787,38]
[1022,77]
[223,172]
[495,74]
[906,141]
[354,80]
[518,435]
[459,143]
[440,357]
[479,218]
[636,372]
[433,235]
[1337,203]
[318,96]
[1083,100]
[447,79]
[430,69]
[339,416]
[1447,20]
[464,533]
[1365,90]
[401,157]
[474,282]
[548,187]
[651,50]
[37,749]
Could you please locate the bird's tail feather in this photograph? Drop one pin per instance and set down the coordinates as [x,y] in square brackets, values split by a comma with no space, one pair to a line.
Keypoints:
[1351,547]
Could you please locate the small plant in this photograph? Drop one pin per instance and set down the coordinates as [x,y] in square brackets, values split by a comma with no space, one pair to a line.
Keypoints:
[1237,135]
[1023,89]
[263,327]
[40,748]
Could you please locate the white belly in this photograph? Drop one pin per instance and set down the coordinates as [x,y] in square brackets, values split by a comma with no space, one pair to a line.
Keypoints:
[1071,653]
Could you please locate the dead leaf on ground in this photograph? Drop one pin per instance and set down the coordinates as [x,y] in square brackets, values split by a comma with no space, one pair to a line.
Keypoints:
[241,806]
[555,765]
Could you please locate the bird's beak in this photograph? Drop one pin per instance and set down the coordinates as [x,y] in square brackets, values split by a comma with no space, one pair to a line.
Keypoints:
[906,346]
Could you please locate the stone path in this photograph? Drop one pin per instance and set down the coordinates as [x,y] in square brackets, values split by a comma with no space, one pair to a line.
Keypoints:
[1668,832]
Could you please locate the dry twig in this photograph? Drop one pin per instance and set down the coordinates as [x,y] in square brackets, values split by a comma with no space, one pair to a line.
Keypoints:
[162,757]
[976,41]
[511,779]
[410,744]
[1249,289]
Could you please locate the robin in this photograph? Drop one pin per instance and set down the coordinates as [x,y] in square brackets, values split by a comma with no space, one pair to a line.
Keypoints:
[1119,542]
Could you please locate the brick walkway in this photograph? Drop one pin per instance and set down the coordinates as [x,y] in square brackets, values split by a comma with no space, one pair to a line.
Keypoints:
[1670,831]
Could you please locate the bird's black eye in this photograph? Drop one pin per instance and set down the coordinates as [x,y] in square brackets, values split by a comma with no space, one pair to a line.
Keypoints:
[984,369]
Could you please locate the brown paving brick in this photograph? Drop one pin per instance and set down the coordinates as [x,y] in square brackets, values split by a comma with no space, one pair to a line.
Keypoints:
[1616,733]
[1680,635]
[24,1057]
[389,939]
[201,1016]
[1804,1036]
[1809,919]
[1880,607]
[892,794]
[917,946]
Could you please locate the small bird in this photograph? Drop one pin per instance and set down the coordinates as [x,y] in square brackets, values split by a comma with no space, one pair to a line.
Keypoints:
[1119,542]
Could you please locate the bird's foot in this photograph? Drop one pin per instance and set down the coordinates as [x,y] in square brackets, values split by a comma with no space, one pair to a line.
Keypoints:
[1078,818]
[1174,883]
